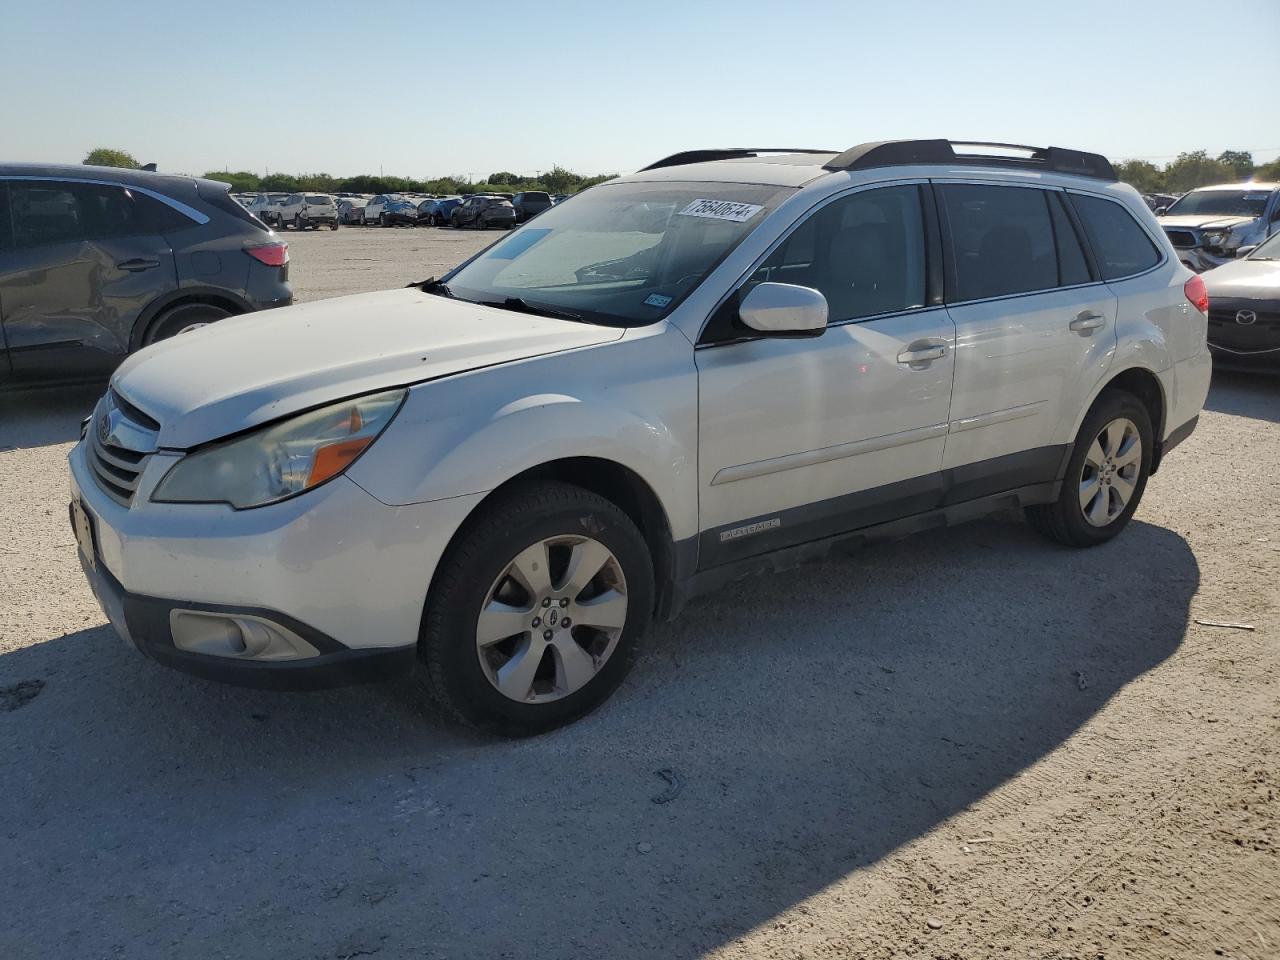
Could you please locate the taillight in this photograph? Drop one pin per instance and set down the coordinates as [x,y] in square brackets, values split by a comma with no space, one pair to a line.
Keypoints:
[1197,293]
[272,254]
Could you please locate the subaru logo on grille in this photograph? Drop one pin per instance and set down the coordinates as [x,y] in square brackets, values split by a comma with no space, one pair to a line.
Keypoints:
[1245,317]
[104,427]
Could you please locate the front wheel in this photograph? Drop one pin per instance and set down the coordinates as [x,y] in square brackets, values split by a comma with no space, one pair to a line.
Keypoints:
[183,319]
[537,610]
[1106,475]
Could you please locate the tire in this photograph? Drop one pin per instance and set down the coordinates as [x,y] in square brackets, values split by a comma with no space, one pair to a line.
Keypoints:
[481,224]
[382,220]
[1092,507]
[181,319]
[333,226]
[474,573]
[297,222]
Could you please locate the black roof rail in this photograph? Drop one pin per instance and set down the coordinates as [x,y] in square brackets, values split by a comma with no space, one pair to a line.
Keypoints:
[724,153]
[889,153]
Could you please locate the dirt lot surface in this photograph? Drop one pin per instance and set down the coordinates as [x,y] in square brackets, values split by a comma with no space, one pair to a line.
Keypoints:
[969,744]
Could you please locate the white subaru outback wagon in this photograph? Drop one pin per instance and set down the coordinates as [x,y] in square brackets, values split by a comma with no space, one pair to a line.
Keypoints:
[728,361]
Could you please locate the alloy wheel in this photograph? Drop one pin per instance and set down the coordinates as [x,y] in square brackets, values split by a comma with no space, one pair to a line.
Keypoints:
[552,619]
[1110,473]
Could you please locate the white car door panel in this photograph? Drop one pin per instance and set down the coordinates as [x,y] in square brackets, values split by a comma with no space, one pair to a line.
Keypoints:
[800,439]
[1035,331]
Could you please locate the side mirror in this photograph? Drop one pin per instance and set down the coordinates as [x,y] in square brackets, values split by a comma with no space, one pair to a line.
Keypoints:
[1246,250]
[1161,211]
[784,310]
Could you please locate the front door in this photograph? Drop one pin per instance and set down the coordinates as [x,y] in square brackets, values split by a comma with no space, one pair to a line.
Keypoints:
[85,262]
[800,439]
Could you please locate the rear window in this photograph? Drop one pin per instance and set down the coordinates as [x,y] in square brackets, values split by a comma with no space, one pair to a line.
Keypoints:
[1121,247]
[319,201]
[534,198]
[1001,240]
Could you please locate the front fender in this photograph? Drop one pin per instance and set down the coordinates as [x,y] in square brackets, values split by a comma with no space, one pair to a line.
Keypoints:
[632,401]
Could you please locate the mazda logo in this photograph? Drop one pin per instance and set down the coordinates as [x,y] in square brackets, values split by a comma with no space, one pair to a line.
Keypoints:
[1245,317]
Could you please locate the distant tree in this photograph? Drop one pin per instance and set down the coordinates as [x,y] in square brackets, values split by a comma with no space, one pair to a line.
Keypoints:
[1142,175]
[560,180]
[281,183]
[503,177]
[1268,171]
[1195,169]
[242,181]
[107,157]
[1240,162]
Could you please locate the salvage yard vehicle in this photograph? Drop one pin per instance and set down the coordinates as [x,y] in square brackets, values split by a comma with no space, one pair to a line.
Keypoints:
[96,262]
[1208,225]
[351,210]
[264,205]
[530,204]
[728,362]
[399,213]
[303,210]
[1244,308]
[483,212]
[377,206]
[435,213]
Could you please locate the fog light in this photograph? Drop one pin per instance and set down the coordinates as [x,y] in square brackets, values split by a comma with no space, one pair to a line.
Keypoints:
[240,637]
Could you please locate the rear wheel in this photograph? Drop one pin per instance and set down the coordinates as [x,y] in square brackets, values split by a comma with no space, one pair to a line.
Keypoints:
[382,220]
[298,222]
[183,319]
[537,611]
[333,225]
[1106,475]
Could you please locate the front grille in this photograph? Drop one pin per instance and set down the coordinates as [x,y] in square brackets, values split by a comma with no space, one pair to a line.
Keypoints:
[1182,238]
[115,466]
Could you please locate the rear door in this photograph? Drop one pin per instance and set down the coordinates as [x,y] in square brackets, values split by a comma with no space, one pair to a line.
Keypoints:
[1035,332]
[86,260]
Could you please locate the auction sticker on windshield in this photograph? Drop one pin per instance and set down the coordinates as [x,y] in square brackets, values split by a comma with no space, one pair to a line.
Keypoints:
[721,210]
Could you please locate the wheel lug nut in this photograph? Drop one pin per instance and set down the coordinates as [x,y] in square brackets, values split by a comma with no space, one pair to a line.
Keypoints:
[537,622]
[546,601]
[564,601]
[547,635]
[566,623]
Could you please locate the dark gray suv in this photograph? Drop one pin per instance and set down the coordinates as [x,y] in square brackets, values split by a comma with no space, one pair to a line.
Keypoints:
[96,262]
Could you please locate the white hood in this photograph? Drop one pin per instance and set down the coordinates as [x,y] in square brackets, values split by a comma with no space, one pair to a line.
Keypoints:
[1203,221]
[251,369]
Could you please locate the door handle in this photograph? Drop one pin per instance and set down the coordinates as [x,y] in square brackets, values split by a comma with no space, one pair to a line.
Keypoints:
[1087,321]
[922,353]
[138,264]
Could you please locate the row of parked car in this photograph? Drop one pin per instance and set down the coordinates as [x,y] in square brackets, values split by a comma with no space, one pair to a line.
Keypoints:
[313,210]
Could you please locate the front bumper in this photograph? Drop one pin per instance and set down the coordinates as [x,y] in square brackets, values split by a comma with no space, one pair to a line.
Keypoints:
[336,567]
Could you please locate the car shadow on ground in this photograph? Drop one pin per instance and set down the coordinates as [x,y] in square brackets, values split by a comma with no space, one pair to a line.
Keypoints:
[47,415]
[1242,394]
[814,721]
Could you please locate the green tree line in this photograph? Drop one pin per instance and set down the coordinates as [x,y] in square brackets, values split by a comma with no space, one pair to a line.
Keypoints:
[1190,170]
[557,180]
[1195,169]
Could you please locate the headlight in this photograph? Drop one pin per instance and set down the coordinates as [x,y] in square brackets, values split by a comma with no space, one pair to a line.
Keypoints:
[281,460]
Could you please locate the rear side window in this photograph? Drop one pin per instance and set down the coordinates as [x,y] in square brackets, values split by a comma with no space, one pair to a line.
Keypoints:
[156,217]
[1001,240]
[1121,247]
[217,196]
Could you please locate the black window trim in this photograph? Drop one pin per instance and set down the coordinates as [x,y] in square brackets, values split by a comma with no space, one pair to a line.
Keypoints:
[1159,244]
[178,205]
[932,265]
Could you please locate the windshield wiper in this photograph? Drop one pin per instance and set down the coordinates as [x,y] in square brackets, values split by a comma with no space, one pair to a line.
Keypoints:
[434,286]
[520,305]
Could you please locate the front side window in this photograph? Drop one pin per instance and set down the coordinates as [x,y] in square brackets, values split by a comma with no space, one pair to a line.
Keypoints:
[45,212]
[1001,240]
[623,254]
[1121,247]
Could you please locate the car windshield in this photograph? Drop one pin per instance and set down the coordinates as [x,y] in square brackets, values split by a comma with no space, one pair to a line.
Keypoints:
[622,254]
[1268,249]
[1221,203]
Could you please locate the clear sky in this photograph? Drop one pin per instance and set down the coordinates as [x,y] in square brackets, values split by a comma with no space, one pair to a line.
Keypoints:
[348,88]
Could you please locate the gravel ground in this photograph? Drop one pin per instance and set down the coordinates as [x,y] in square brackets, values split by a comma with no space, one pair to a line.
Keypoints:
[963,745]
